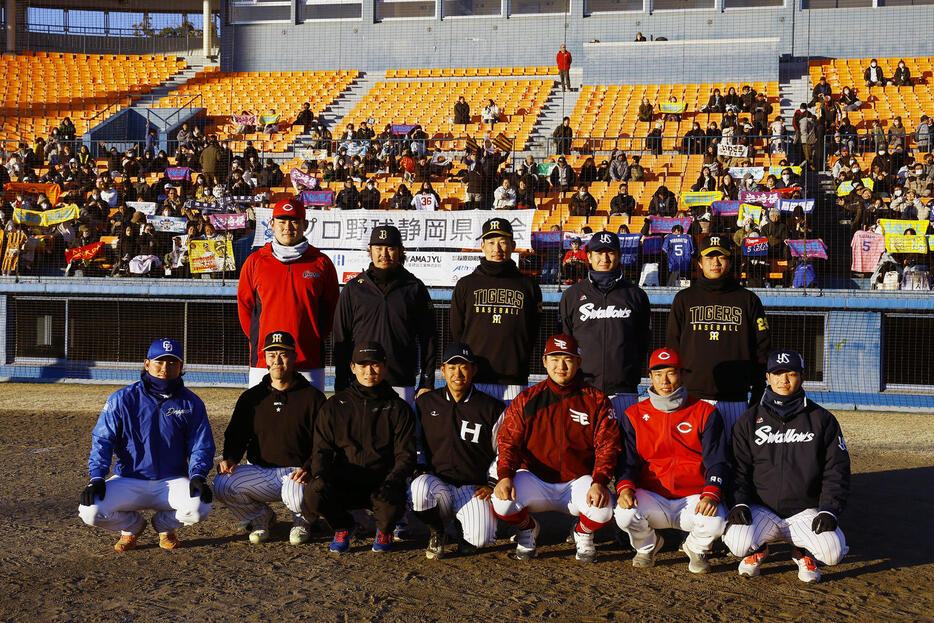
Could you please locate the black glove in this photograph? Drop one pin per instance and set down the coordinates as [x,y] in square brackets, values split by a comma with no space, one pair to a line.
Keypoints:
[824,522]
[94,489]
[740,516]
[197,487]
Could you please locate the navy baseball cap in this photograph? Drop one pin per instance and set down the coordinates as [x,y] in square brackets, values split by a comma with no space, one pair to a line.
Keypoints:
[165,348]
[368,352]
[457,350]
[785,360]
[386,235]
[715,243]
[602,241]
[279,340]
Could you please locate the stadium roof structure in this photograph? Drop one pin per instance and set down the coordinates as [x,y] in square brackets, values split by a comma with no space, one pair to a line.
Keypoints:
[154,6]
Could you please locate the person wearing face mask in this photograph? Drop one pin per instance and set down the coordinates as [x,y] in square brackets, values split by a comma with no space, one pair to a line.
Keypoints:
[882,159]
[789,179]
[705,181]
[917,181]
[582,203]
[349,197]
[692,142]
[873,75]
[902,77]
[791,476]
[923,135]
[849,100]
[370,196]
[388,304]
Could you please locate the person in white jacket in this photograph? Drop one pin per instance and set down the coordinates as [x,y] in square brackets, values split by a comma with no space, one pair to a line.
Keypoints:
[426,199]
[504,197]
[490,114]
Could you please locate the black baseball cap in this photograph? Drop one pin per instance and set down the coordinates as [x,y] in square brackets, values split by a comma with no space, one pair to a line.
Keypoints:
[386,235]
[279,340]
[496,227]
[785,360]
[458,350]
[602,241]
[715,244]
[368,352]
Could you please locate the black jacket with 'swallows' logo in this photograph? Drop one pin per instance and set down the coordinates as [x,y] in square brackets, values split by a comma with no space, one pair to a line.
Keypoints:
[613,331]
[497,310]
[720,330]
[790,463]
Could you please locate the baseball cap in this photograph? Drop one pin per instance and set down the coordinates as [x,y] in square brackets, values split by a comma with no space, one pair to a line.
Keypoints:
[562,344]
[289,208]
[665,358]
[457,350]
[602,241]
[279,340]
[164,348]
[386,235]
[785,359]
[715,243]
[368,351]
[496,227]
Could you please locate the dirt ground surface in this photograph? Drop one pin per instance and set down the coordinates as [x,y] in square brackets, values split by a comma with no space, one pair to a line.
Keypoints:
[54,568]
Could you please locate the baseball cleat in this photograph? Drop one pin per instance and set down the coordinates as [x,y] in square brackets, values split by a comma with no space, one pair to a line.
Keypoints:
[586,552]
[697,561]
[168,540]
[525,542]
[807,567]
[647,559]
[436,543]
[299,535]
[383,542]
[243,527]
[261,526]
[341,541]
[127,542]
[749,566]
[465,548]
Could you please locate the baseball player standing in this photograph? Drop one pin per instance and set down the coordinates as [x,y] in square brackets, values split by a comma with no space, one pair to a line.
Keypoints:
[558,446]
[288,285]
[363,452]
[672,469]
[497,311]
[159,433]
[389,305]
[791,476]
[273,423]
[720,330]
[458,431]
[610,318]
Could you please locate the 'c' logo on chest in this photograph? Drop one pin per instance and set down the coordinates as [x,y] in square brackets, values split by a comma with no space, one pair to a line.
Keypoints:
[684,427]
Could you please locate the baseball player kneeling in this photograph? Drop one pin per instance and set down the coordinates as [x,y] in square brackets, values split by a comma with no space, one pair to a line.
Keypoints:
[273,423]
[458,428]
[673,467]
[160,435]
[792,476]
[558,445]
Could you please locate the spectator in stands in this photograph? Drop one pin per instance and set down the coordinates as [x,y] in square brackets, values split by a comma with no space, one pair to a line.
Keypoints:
[807,137]
[126,250]
[490,114]
[343,169]
[623,204]
[749,184]
[364,132]
[646,110]
[426,198]
[402,200]
[504,198]
[619,168]
[923,135]
[525,195]
[761,110]
[705,181]
[184,135]
[574,265]
[563,136]
[882,159]
[588,173]
[461,111]
[159,163]
[710,160]
[731,102]
[563,60]
[67,130]
[672,116]
[820,91]
[777,233]
[236,185]
[663,203]
[769,184]
[849,100]
[328,174]
[877,136]
[305,119]
[747,99]
[272,123]
[902,77]
[873,75]
[418,140]
[881,181]
[841,168]
[636,170]
[407,166]
[349,197]
[715,103]
[910,207]
[693,141]
[917,181]
[369,196]
[200,191]
[897,134]
[270,175]
[422,169]
[582,203]
[653,142]
[562,176]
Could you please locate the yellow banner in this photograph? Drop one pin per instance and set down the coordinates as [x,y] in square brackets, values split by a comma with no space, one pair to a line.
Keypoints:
[701,198]
[48,218]
[898,243]
[898,226]
[747,210]
[845,188]
[211,256]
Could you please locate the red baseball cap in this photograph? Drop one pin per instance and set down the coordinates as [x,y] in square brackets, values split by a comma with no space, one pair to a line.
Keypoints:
[289,208]
[562,344]
[665,358]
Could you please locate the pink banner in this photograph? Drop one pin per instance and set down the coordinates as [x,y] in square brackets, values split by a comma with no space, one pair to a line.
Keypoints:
[305,179]
[177,174]
[766,200]
[664,224]
[808,248]
[228,221]
[243,119]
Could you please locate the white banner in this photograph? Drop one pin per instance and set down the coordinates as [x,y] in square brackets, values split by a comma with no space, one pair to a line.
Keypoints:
[146,207]
[350,229]
[434,268]
[732,151]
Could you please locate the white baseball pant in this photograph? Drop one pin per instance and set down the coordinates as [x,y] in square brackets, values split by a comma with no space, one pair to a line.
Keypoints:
[248,490]
[535,496]
[656,512]
[315,376]
[125,497]
[475,515]
[767,527]
[730,412]
[505,393]
[621,402]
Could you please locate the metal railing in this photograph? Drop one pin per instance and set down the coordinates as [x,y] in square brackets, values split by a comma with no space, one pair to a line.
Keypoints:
[91,39]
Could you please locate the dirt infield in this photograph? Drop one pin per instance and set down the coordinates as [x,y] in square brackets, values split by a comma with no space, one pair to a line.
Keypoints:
[54,568]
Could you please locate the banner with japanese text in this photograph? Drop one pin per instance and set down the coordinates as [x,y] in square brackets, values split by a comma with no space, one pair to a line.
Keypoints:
[211,256]
[732,151]
[739,172]
[664,224]
[808,248]
[701,198]
[305,179]
[789,205]
[171,224]
[86,252]
[228,221]
[764,199]
[898,243]
[755,247]
[434,268]
[725,208]
[51,191]
[892,226]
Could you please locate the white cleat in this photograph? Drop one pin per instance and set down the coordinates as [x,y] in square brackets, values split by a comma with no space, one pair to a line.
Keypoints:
[525,542]
[647,559]
[807,567]
[749,566]
[586,552]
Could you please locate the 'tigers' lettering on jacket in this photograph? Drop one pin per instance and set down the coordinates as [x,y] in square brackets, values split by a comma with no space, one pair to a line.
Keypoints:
[716,318]
[498,302]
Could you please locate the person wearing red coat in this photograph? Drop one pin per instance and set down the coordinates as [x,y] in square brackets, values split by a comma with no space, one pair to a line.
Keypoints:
[564,68]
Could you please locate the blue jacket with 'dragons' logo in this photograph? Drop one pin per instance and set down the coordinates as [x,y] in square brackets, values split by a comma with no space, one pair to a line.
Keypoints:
[152,437]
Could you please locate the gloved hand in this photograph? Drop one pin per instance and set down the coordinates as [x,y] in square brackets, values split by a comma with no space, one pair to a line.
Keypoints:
[94,489]
[824,522]
[740,516]
[197,487]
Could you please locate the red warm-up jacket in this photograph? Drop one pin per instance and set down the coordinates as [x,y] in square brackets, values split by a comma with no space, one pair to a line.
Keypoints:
[298,297]
[559,433]
[564,60]
[675,454]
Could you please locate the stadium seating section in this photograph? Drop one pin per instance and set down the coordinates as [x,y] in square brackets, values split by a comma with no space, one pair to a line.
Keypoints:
[471,72]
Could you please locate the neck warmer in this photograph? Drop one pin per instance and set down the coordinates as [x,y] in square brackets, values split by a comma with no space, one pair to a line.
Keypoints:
[381,391]
[288,254]
[670,403]
[723,284]
[496,269]
[163,388]
[784,406]
[604,279]
[384,277]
